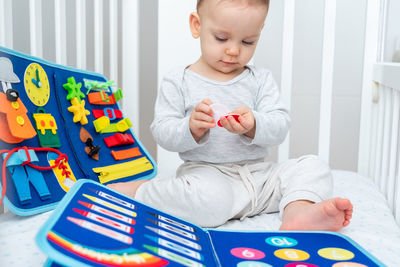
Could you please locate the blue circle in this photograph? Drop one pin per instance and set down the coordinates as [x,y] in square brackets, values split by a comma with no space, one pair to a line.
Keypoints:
[253,264]
[281,241]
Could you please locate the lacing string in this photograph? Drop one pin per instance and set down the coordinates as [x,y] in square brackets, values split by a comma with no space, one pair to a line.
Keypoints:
[58,162]
[63,167]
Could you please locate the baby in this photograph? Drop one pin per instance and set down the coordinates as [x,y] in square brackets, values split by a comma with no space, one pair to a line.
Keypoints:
[224,174]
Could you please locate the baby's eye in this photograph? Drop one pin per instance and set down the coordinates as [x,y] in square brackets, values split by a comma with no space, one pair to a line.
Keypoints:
[248,43]
[220,38]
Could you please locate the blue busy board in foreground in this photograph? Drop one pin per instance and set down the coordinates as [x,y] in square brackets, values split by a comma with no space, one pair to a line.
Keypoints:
[96,226]
[53,115]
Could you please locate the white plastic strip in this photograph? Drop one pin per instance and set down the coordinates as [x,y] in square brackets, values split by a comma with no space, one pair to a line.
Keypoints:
[130,60]
[80,10]
[287,67]
[393,148]
[61,31]
[370,56]
[383,15]
[328,58]
[386,140]
[396,185]
[6,26]
[379,136]
[387,74]
[35,25]
[2,29]
[372,144]
[98,36]
[113,10]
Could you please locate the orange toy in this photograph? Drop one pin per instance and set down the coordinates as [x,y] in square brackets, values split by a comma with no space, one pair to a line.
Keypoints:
[15,125]
[126,154]
[101,98]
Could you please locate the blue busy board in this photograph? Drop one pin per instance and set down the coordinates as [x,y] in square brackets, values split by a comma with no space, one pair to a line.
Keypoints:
[96,226]
[67,121]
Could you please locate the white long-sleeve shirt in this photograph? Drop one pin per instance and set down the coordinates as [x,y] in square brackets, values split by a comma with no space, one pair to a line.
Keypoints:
[182,89]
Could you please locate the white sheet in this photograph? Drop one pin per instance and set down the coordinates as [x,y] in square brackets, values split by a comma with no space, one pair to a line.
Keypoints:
[372,226]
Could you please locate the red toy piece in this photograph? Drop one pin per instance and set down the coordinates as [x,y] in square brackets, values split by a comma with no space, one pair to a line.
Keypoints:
[236,116]
[119,139]
[111,113]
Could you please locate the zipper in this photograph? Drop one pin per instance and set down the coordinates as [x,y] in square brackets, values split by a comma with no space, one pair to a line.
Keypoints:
[122,170]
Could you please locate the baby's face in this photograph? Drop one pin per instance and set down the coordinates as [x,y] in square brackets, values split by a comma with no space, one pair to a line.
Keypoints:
[229,33]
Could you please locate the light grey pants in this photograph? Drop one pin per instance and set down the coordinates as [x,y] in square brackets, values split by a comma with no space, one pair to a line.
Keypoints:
[211,194]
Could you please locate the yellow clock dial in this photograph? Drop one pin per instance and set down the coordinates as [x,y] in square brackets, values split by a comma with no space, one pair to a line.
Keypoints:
[37,85]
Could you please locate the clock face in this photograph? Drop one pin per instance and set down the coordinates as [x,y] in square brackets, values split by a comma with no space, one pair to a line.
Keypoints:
[37,84]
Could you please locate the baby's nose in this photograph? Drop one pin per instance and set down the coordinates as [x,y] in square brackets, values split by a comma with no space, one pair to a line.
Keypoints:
[232,51]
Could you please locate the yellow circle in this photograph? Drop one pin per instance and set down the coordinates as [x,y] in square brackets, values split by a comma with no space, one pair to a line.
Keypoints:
[292,254]
[338,254]
[15,105]
[20,120]
[37,85]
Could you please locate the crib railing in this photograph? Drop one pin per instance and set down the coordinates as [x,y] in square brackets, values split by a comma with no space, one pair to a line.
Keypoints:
[384,152]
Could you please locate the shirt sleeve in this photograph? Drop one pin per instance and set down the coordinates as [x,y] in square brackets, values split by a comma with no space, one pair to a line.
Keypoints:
[271,116]
[170,127]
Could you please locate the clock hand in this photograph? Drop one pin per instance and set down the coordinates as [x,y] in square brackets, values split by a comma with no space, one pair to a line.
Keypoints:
[39,84]
[35,82]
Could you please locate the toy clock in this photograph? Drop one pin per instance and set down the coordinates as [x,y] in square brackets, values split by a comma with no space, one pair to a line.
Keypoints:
[37,84]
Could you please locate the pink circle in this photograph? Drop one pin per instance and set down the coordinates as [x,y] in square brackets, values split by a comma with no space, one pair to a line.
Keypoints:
[247,253]
[300,264]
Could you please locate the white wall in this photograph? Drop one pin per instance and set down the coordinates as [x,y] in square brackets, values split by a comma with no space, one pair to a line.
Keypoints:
[392,40]
[176,47]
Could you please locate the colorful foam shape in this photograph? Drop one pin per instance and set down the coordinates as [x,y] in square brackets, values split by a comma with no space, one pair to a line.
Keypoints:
[17,119]
[74,89]
[23,175]
[79,111]
[47,129]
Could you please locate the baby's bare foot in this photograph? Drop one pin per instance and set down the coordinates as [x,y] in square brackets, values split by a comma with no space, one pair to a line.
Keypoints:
[328,215]
[128,188]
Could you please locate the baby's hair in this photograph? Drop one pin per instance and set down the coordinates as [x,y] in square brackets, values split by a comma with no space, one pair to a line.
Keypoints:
[265,2]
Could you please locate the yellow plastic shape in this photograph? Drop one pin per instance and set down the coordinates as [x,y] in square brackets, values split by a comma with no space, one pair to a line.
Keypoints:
[121,126]
[65,182]
[101,123]
[80,113]
[45,121]
[122,170]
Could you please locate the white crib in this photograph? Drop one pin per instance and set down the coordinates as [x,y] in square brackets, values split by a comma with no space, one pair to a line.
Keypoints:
[113,40]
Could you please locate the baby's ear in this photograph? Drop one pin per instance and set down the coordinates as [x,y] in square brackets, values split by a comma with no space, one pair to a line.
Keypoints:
[194,21]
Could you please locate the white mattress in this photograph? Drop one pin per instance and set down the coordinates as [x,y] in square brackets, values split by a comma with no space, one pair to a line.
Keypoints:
[372,226]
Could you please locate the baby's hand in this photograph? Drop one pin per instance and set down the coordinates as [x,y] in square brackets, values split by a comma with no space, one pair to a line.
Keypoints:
[246,124]
[201,119]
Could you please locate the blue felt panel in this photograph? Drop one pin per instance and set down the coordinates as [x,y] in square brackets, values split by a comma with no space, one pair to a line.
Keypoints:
[68,133]
[153,238]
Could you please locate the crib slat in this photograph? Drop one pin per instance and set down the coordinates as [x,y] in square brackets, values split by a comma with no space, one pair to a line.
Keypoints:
[80,10]
[374,137]
[35,25]
[98,36]
[6,25]
[2,32]
[287,67]
[386,140]
[370,55]
[379,137]
[328,58]
[113,26]
[61,31]
[130,56]
[393,149]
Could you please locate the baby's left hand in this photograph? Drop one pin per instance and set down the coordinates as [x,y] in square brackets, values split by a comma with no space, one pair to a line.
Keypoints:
[246,124]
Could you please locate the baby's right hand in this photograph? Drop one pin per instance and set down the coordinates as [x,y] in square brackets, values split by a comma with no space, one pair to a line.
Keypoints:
[201,119]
